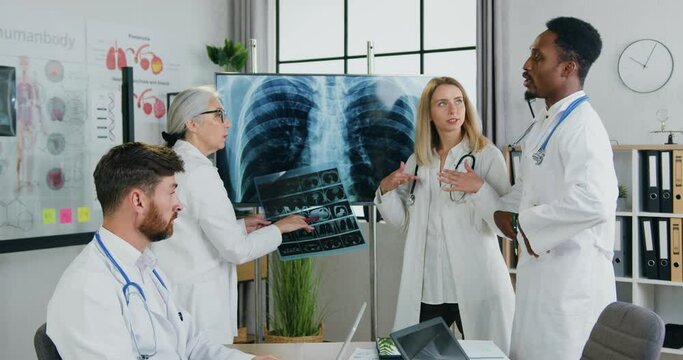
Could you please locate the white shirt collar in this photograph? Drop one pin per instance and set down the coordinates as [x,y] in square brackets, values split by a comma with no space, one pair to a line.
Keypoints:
[564,103]
[123,252]
[186,148]
[462,147]
[147,260]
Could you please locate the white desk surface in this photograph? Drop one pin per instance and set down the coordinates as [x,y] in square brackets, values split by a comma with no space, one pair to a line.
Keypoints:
[328,351]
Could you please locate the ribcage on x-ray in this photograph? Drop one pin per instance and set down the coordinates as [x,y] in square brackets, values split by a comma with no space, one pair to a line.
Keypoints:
[275,131]
[362,125]
[379,134]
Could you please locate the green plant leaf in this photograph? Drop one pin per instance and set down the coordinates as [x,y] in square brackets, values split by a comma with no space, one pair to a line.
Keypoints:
[212,52]
[295,293]
[231,56]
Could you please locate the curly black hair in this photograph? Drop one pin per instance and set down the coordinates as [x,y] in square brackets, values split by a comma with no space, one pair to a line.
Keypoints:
[578,41]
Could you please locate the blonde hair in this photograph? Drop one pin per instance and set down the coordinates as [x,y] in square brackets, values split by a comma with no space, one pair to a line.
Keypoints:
[426,137]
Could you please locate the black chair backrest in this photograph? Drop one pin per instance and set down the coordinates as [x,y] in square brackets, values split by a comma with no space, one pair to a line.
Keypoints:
[625,332]
[45,348]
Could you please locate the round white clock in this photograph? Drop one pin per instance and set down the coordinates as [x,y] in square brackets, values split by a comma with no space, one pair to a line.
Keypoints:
[645,65]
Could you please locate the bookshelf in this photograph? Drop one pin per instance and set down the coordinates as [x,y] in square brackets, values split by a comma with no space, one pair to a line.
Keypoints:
[663,297]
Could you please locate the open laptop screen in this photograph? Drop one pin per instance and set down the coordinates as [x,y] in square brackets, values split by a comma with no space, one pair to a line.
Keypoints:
[427,341]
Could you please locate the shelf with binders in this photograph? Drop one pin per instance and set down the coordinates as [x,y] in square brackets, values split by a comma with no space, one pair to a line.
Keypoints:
[656,247]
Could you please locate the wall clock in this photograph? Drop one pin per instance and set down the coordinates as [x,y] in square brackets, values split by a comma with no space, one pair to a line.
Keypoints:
[645,65]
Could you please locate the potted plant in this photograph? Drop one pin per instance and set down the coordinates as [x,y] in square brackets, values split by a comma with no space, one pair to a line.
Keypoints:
[296,317]
[621,197]
[232,57]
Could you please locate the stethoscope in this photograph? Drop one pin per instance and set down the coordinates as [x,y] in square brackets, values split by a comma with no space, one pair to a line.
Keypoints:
[129,294]
[539,155]
[411,195]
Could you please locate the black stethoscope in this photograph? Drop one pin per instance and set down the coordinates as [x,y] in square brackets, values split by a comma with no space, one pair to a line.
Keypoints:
[411,195]
[131,290]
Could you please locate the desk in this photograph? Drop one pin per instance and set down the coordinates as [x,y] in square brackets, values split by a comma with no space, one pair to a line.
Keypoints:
[328,351]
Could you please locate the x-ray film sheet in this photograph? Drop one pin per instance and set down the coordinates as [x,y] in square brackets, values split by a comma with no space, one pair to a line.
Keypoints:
[317,193]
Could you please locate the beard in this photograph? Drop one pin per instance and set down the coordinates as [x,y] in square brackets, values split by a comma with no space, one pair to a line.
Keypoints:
[528,95]
[154,227]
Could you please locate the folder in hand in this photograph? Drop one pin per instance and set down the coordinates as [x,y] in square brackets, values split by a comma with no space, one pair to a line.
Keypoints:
[664,266]
[649,254]
[675,249]
[666,203]
[650,181]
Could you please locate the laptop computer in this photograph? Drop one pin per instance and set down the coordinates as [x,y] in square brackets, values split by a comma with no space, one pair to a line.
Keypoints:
[352,331]
[429,340]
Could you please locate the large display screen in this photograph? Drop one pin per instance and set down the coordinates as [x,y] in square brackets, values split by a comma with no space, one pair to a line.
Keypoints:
[364,125]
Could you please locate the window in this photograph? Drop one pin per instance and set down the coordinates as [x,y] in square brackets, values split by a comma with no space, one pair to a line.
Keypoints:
[432,37]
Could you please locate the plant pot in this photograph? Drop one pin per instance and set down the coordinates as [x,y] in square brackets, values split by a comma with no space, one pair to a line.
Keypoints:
[241,337]
[621,204]
[272,337]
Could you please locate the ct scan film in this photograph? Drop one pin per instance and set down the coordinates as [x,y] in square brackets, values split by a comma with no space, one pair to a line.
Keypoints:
[317,193]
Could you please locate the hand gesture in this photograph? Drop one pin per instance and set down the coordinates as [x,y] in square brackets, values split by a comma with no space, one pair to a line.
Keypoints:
[467,182]
[255,222]
[396,179]
[293,223]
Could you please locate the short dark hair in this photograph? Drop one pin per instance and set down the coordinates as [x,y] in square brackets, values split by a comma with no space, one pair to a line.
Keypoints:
[131,165]
[578,41]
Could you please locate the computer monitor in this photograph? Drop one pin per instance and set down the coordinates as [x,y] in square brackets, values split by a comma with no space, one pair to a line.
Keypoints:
[362,124]
[429,340]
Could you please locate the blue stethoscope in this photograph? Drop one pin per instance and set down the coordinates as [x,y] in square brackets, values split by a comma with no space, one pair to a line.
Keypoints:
[540,153]
[130,290]
[411,196]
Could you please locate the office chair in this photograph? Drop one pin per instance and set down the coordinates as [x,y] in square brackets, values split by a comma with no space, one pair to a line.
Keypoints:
[45,348]
[625,332]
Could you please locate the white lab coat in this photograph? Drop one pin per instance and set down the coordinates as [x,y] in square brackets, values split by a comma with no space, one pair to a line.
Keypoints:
[483,287]
[87,317]
[566,208]
[207,244]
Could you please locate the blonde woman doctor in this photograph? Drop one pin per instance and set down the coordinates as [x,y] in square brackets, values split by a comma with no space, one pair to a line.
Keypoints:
[452,265]
[208,241]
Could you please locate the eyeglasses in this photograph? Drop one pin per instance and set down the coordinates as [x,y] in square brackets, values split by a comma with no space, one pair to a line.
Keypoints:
[221,114]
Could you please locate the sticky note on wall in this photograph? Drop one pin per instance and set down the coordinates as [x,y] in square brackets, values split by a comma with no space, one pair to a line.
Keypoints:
[65,216]
[83,214]
[49,216]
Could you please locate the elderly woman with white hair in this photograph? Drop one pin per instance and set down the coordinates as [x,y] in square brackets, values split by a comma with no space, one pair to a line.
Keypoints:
[208,241]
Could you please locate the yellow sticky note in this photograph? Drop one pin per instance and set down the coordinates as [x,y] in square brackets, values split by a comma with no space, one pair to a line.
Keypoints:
[49,215]
[83,214]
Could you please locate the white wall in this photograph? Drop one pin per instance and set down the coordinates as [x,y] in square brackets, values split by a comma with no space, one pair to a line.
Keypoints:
[628,116]
[27,279]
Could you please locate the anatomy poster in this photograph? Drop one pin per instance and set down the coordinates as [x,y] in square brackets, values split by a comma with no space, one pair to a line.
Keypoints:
[68,113]
[44,170]
[317,193]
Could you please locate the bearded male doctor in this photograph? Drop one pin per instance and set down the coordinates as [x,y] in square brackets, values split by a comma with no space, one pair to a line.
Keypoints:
[112,302]
[563,204]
